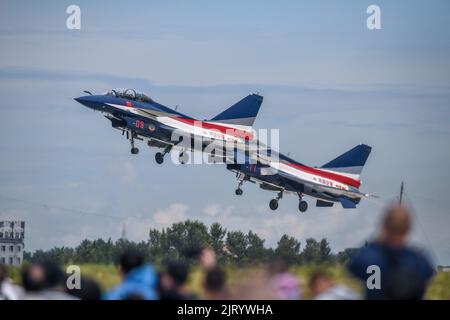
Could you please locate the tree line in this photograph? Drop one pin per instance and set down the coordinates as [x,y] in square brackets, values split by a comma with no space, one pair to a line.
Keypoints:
[183,240]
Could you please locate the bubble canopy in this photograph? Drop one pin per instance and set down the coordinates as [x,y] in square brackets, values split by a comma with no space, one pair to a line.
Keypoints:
[129,94]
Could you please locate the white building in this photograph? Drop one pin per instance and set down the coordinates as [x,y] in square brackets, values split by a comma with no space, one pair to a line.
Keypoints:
[12,236]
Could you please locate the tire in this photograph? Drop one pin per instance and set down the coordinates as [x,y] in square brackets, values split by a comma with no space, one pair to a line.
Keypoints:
[159,158]
[303,206]
[273,204]
[134,150]
[239,192]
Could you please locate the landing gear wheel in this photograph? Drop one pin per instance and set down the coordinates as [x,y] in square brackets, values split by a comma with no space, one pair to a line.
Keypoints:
[303,206]
[273,204]
[239,192]
[159,158]
[134,150]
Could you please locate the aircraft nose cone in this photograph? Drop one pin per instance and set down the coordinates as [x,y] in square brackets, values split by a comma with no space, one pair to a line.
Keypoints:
[81,100]
[88,101]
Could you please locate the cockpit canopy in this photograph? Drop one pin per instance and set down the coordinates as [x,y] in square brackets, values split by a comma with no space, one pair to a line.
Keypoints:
[129,94]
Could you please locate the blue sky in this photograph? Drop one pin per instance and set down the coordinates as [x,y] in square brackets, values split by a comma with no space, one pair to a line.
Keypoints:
[328,84]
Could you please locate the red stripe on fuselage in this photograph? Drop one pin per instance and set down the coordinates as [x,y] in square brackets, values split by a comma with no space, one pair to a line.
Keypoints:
[223,129]
[325,174]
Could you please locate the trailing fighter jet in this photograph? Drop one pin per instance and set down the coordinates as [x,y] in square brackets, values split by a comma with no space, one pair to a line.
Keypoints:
[141,118]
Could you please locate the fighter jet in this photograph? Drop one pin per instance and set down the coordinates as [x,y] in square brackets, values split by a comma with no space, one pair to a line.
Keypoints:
[139,117]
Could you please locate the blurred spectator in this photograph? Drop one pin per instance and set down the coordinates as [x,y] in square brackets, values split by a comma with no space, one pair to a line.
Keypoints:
[89,290]
[173,282]
[207,258]
[404,270]
[139,279]
[253,284]
[215,284]
[322,287]
[44,281]
[8,291]
[285,285]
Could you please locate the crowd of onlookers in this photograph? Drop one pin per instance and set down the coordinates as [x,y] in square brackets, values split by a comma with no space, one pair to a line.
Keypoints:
[387,267]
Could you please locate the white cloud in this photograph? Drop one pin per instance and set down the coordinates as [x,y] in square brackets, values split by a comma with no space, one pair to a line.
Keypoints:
[176,212]
[217,210]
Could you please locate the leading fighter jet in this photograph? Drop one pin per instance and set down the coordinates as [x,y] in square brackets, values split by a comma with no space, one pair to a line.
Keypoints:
[141,118]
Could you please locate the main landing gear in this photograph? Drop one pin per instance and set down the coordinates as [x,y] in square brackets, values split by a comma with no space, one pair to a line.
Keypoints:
[159,156]
[302,205]
[273,204]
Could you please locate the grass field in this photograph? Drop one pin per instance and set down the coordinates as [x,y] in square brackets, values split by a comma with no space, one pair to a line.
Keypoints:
[107,276]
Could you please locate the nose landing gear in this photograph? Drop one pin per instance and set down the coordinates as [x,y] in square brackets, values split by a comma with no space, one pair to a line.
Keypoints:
[239,191]
[134,150]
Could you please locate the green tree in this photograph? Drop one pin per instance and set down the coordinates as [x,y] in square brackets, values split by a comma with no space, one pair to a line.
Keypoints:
[288,249]
[316,252]
[310,253]
[176,241]
[324,251]
[217,235]
[237,245]
[255,248]
[186,236]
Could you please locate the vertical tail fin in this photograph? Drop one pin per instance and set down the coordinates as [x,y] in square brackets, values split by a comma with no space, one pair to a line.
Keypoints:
[242,112]
[351,162]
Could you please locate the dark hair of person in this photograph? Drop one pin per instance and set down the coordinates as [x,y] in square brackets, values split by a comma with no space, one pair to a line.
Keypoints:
[215,280]
[89,290]
[131,259]
[178,271]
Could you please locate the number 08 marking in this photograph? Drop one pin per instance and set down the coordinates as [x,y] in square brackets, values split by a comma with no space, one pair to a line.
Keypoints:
[139,124]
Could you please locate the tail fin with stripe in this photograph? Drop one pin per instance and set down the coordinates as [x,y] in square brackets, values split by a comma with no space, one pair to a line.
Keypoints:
[350,163]
[241,113]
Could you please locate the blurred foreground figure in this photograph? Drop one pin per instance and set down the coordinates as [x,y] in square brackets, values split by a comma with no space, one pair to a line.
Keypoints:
[284,284]
[45,281]
[173,282]
[252,284]
[139,279]
[8,291]
[404,271]
[214,284]
[322,287]
[89,290]
[207,258]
